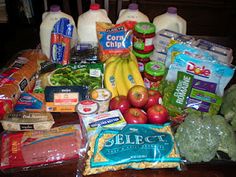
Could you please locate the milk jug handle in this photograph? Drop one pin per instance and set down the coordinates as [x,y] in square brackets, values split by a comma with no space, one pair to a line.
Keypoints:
[182,28]
[44,15]
[121,12]
[104,11]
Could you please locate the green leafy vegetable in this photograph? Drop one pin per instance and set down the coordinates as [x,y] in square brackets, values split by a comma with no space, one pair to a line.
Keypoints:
[199,138]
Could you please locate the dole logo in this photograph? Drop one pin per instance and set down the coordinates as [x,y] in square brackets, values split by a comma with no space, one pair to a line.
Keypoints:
[202,71]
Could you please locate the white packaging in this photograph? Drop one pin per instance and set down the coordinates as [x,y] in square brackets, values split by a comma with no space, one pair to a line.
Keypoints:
[49,19]
[27,121]
[170,20]
[219,52]
[94,123]
[86,23]
[163,39]
[132,14]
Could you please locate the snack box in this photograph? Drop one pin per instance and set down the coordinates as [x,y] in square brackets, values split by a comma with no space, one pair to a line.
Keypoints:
[27,121]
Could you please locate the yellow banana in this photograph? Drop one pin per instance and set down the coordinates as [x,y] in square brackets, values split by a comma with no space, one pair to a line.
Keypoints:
[127,75]
[113,58]
[133,57]
[135,72]
[120,86]
[109,77]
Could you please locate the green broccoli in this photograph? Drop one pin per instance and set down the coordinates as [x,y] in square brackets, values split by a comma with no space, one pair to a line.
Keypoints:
[200,137]
[197,139]
[227,136]
[228,107]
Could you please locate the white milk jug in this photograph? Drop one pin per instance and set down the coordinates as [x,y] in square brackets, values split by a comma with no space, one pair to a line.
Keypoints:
[171,21]
[49,19]
[86,24]
[132,14]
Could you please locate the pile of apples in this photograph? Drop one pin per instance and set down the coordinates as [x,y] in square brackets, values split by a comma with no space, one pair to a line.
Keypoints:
[141,106]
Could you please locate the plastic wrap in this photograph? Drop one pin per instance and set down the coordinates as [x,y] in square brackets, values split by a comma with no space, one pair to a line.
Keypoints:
[37,149]
[136,146]
[18,77]
[114,40]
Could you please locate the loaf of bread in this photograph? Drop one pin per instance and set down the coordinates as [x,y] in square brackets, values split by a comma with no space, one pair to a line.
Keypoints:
[19,77]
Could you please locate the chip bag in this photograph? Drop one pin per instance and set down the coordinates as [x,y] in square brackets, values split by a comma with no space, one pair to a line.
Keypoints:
[114,39]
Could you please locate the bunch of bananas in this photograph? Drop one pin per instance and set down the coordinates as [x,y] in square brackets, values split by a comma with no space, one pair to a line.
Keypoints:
[122,73]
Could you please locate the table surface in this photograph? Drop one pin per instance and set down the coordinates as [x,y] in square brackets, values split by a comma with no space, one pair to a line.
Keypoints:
[212,169]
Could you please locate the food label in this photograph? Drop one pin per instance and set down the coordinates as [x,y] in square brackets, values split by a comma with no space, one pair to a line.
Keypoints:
[111,119]
[182,89]
[66,98]
[137,143]
[136,146]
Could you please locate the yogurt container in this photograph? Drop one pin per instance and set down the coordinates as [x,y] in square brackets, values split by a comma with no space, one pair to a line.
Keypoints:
[87,108]
[101,96]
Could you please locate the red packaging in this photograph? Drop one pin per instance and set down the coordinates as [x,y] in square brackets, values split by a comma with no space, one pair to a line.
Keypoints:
[40,148]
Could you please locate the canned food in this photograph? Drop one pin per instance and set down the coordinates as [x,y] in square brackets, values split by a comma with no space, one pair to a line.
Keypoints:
[101,96]
[87,108]
[144,33]
[153,74]
[142,60]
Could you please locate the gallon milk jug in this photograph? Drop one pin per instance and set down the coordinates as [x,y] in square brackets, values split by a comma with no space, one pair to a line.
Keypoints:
[132,13]
[171,21]
[86,24]
[49,19]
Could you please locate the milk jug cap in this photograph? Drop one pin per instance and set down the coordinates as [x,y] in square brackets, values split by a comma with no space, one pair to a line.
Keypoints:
[172,10]
[94,6]
[55,8]
[133,6]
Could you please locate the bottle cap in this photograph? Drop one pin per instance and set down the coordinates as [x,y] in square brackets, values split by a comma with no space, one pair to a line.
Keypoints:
[133,6]
[94,6]
[141,55]
[172,10]
[155,68]
[145,27]
[55,8]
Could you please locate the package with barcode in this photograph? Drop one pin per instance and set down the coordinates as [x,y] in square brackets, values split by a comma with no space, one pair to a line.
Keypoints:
[82,74]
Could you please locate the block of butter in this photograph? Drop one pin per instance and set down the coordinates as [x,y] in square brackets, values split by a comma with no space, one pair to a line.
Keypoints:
[27,121]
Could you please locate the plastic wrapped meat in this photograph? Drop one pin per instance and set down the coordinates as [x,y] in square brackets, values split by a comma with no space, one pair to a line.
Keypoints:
[40,148]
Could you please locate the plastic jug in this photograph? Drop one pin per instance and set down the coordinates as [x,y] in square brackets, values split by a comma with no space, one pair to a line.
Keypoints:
[49,19]
[133,14]
[171,21]
[86,24]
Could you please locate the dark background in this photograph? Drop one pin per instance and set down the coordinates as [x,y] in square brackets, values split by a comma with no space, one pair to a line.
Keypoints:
[204,18]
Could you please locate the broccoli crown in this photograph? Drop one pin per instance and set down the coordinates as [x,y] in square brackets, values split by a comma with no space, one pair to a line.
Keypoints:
[197,139]
[227,136]
[228,107]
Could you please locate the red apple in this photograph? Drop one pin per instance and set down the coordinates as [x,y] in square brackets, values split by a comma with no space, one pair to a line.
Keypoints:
[135,116]
[154,97]
[138,96]
[119,102]
[157,114]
